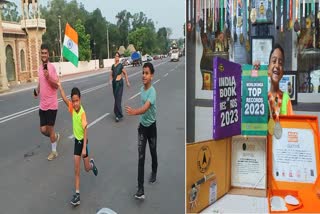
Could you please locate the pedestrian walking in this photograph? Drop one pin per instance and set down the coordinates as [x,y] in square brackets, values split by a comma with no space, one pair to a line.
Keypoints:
[116,73]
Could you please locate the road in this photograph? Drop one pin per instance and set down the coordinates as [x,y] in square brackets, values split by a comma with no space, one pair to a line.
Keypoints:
[31,184]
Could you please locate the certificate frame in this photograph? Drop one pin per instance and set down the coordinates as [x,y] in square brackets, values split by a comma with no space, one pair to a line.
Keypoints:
[261,47]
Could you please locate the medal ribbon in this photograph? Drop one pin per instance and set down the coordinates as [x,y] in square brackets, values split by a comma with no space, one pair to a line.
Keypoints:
[213,14]
[221,15]
[198,11]
[275,103]
[205,16]
[276,15]
[247,17]
[312,7]
[297,9]
[290,10]
[287,9]
[281,18]
[303,8]
[228,13]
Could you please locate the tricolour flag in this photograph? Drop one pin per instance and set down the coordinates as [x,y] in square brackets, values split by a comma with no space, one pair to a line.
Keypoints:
[70,45]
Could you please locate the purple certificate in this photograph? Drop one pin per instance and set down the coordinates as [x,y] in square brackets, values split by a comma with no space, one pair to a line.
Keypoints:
[226,98]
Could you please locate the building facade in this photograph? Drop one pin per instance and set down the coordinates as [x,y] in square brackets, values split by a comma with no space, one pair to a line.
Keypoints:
[21,44]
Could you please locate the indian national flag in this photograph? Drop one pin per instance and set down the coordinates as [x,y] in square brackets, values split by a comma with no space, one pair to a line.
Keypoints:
[70,45]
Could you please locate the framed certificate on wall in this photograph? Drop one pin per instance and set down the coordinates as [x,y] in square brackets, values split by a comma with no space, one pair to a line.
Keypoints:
[261,48]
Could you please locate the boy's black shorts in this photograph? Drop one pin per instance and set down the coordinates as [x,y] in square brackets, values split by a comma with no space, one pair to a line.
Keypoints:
[48,117]
[78,145]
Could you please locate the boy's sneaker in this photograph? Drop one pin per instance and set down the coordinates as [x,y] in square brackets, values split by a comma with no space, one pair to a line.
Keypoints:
[52,155]
[140,194]
[76,199]
[117,119]
[94,168]
[153,178]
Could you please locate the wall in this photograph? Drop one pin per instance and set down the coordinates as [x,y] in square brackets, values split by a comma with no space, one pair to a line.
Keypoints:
[68,68]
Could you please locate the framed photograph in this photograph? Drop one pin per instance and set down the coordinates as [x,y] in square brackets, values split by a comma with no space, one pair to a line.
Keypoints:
[263,11]
[288,84]
[261,48]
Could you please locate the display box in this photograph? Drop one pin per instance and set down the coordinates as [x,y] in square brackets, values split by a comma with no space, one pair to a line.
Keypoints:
[208,166]
[293,165]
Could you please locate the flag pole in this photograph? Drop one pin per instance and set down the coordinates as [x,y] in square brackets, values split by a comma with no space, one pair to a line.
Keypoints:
[60,46]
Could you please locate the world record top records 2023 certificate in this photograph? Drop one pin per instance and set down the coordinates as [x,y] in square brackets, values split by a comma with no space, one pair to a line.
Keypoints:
[294,158]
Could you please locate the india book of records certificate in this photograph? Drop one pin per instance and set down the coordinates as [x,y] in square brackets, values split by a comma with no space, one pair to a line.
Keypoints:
[248,163]
[294,158]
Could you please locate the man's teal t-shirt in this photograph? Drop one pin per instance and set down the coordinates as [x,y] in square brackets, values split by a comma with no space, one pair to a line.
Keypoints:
[149,116]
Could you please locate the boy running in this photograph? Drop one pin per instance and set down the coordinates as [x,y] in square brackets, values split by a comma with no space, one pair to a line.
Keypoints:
[81,147]
[147,130]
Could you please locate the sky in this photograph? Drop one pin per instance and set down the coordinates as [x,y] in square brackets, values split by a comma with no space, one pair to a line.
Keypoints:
[164,13]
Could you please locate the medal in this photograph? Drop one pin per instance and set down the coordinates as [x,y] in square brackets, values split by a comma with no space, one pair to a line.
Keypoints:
[271,124]
[253,15]
[277,130]
[274,128]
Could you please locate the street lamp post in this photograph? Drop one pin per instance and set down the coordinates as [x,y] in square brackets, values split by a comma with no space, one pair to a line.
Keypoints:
[95,54]
[61,58]
[108,41]
[113,49]
[3,74]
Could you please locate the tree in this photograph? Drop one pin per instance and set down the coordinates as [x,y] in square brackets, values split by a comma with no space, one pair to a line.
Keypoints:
[169,32]
[138,20]
[143,39]
[96,25]
[126,53]
[114,38]
[83,41]
[68,12]
[123,24]
[162,40]
[10,12]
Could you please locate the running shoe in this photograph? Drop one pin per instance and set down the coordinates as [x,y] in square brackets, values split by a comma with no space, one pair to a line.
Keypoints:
[52,155]
[153,178]
[94,168]
[140,194]
[75,199]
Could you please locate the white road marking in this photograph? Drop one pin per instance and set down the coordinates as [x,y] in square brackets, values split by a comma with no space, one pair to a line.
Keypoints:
[165,75]
[134,96]
[93,122]
[35,108]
